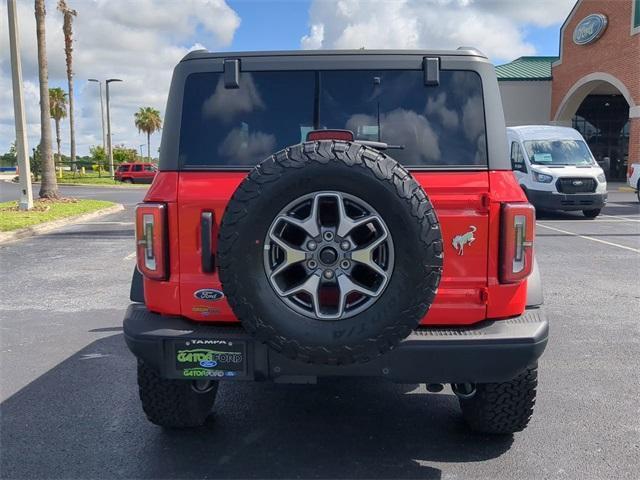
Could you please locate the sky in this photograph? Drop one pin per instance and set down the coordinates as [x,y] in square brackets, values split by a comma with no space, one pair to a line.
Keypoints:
[140,41]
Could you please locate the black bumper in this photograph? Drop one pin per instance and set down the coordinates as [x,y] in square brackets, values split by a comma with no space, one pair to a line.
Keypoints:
[564,201]
[490,352]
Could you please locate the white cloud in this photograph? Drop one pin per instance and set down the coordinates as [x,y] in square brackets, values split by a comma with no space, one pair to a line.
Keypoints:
[494,26]
[138,41]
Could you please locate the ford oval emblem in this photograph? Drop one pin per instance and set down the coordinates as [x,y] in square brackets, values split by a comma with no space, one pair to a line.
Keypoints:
[208,363]
[210,294]
[577,183]
[590,29]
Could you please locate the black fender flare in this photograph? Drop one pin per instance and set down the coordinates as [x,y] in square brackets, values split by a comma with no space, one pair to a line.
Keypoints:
[136,293]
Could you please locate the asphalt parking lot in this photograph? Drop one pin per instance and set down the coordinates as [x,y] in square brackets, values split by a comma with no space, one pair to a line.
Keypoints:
[69,400]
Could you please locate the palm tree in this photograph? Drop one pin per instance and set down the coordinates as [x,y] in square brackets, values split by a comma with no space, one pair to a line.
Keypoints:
[67,29]
[148,120]
[49,185]
[58,111]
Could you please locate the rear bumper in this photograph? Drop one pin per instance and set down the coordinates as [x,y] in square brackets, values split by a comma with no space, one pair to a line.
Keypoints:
[563,201]
[490,352]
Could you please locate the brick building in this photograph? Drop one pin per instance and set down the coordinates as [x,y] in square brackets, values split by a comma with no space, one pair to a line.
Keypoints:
[593,86]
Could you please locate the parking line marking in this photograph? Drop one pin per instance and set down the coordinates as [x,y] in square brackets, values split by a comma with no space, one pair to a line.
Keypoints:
[131,256]
[623,218]
[586,237]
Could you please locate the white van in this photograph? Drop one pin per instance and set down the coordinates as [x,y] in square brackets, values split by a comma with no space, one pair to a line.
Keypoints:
[556,169]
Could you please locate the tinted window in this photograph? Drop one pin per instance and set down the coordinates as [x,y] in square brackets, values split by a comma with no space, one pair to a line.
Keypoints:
[123,168]
[434,125]
[441,125]
[137,168]
[242,126]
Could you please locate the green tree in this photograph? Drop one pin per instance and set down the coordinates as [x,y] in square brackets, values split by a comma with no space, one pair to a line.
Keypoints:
[36,163]
[58,111]
[148,120]
[9,159]
[49,184]
[98,155]
[67,29]
[123,154]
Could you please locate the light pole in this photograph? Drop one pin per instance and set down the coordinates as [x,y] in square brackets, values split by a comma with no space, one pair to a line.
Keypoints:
[26,195]
[104,135]
[110,150]
[140,147]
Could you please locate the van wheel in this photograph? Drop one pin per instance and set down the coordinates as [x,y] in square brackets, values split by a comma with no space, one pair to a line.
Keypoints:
[638,190]
[592,213]
[127,180]
[499,408]
[174,403]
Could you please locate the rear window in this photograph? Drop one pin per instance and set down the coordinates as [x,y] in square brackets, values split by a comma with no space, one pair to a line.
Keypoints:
[434,126]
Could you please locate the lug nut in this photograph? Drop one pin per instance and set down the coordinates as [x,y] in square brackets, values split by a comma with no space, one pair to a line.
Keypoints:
[345,264]
[328,236]
[328,274]
[345,245]
[312,264]
[311,245]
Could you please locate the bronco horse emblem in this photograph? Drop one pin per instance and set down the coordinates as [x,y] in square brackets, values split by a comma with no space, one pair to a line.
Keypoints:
[459,241]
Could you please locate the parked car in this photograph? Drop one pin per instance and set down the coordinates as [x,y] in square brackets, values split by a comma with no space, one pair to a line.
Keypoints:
[633,177]
[136,172]
[351,214]
[556,169]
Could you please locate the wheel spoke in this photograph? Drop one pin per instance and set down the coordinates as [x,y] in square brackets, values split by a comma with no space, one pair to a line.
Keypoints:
[345,223]
[292,255]
[364,256]
[309,286]
[309,224]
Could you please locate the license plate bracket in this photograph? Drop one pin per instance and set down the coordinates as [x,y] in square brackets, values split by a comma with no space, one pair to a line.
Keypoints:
[205,358]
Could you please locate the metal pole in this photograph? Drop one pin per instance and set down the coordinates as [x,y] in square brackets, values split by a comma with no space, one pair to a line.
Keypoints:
[140,148]
[104,134]
[22,147]
[110,150]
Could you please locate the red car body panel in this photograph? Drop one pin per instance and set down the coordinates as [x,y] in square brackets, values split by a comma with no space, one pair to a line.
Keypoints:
[469,291]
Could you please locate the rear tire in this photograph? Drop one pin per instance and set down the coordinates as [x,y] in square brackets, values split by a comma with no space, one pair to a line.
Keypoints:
[173,403]
[592,213]
[501,408]
[127,180]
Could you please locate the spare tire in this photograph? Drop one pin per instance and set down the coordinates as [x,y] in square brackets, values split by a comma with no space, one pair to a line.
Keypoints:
[330,252]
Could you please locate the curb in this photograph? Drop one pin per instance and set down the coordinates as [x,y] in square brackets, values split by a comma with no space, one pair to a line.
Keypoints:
[6,237]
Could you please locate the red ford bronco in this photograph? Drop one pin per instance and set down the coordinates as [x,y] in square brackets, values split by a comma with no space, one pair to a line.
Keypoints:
[336,213]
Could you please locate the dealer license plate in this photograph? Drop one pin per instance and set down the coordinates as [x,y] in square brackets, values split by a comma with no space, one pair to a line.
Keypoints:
[209,358]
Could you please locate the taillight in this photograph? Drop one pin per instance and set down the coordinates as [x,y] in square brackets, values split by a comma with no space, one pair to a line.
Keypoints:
[151,243]
[516,245]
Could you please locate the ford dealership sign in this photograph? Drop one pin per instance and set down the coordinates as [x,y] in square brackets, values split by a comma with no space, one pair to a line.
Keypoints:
[589,29]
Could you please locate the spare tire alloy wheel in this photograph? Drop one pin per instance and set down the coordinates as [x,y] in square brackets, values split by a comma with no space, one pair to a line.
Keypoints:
[325,263]
[330,252]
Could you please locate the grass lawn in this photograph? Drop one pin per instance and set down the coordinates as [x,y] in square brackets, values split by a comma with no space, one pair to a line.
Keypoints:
[44,211]
[89,178]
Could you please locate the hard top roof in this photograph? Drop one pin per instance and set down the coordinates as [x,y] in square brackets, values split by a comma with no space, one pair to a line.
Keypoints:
[461,51]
